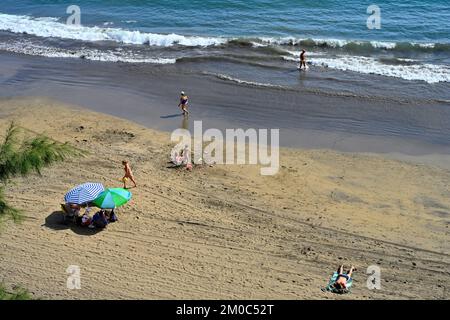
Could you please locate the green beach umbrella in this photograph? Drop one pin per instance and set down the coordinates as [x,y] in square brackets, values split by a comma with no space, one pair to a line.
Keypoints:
[112,198]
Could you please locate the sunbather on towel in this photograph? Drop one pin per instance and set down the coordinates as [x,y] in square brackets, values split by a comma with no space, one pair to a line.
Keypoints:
[343,278]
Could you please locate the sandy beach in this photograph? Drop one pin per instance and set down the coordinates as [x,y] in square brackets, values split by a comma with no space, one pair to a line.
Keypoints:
[222,232]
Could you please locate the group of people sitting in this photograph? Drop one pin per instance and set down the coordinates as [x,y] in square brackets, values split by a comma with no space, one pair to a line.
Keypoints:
[99,220]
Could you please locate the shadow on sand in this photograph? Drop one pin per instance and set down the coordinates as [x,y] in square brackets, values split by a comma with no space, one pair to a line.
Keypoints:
[56,221]
[171,116]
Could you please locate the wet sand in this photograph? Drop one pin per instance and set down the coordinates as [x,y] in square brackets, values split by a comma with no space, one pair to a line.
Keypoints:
[412,128]
[223,231]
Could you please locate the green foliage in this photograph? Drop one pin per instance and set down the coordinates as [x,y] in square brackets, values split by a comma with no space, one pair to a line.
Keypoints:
[15,294]
[29,155]
[20,157]
[8,211]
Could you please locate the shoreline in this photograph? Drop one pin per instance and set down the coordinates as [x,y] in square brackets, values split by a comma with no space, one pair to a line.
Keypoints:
[415,130]
[223,231]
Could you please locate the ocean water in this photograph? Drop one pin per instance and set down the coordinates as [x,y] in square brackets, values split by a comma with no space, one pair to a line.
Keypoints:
[246,41]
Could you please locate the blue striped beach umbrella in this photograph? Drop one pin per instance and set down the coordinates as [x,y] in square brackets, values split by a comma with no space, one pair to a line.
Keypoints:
[83,193]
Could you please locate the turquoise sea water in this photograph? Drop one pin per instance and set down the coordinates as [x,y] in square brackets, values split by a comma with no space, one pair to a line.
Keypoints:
[410,20]
[240,40]
[400,73]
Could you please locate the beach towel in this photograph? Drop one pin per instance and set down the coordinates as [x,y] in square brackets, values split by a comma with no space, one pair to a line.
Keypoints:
[330,287]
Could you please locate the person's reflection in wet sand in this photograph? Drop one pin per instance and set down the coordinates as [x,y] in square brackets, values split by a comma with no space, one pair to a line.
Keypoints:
[185,123]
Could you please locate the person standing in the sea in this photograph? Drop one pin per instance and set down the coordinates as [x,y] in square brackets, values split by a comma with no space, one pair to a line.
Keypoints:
[184,100]
[302,59]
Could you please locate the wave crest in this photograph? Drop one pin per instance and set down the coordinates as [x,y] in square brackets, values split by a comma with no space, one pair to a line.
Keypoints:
[88,54]
[50,28]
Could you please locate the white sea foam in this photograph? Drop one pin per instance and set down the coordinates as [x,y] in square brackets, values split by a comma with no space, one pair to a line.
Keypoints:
[89,54]
[49,27]
[54,27]
[257,45]
[287,58]
[430,73]
[339,43]
[292,40]
[406,60]
[425,45]
[47,19]
[240,81]
[383,45]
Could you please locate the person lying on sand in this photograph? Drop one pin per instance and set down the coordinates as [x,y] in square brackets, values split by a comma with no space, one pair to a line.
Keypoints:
[343,278]
[184,100]
[128,174]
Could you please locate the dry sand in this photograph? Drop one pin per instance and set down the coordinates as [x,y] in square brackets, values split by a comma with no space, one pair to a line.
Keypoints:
[223,231]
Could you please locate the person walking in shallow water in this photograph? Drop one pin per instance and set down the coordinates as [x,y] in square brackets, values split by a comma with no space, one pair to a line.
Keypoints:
[302,60]
[184,100]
